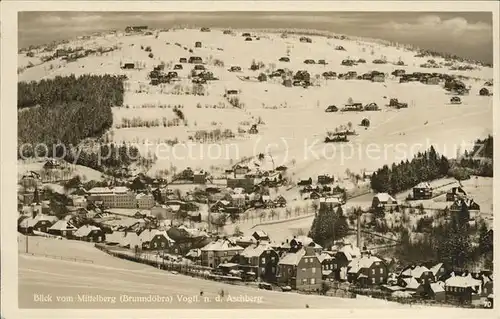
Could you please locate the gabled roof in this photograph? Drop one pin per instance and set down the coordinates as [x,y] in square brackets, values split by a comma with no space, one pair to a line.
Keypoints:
[362,263]
[148,234]
[424,185]
[62,225]
[462,281]
[323,256]
[31,222]
[436,268]
[221,245]
[85,230]
[292,258]
[437,287]
[350,251]
[384,197]
[256,250]
[411,283]
[416,272]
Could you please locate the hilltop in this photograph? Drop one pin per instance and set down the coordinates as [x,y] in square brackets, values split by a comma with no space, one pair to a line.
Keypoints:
[290,122]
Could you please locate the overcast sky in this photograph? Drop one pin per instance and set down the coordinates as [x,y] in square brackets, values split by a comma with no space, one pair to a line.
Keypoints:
[467,34]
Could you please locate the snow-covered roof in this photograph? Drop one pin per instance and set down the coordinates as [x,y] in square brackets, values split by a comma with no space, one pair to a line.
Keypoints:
[329,200]
[107,190]
[148,234]
[436,268]
[384,197]
[411,283]
[437,287]
[62,225]
[350,251]
[31,222]
[424,185]
[323,256]
[85,230]
[222,245]
[256,250]
[361,263]
[462,281]
[261,233]
[417,272]
[292,258]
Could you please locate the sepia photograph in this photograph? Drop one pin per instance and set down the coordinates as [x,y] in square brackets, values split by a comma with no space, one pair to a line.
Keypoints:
[251,159]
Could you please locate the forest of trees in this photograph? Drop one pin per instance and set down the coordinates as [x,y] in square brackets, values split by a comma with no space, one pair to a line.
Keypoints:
[451,242]
[60,113]
[328,226]
[479,161]
[423,167]
[65,110]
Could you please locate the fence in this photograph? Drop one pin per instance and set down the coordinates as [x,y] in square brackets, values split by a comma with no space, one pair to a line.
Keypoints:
[81,260]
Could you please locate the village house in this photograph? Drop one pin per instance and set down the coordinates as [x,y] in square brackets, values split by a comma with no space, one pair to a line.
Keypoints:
[421,273]
[327,262]
[154,239]
[238,200]
[260,235]
[329,203]
[90,233]
[259,259]
[384,201]
[435,291]
[62,228]
[422,191]
[367,270]
[200,177]
[325,179]
[345,253]
[463,289]
[244,241]
[38,222]
[300,269]
[455,193]
[218,252]
[472,207]
[378,78]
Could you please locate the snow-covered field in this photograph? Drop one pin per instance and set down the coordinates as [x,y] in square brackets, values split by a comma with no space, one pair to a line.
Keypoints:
[111,277]
[295,128]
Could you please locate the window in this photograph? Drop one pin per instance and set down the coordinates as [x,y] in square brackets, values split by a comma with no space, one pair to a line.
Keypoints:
[381,279]
[381,270]
[373,280]
[304,281]
[225,253]
[373,271]
[273,259]
[313,281]
[163,245]
[314,270]
[263,260]
[303,269]
[263,270]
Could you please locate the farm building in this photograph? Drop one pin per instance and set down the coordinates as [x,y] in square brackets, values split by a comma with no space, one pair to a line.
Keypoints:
[284,59]
[197,44]
[371,107]
[136,28]
[195,60]
[128,66]
[365,122]
[62,228]
[89,233]
[422,191]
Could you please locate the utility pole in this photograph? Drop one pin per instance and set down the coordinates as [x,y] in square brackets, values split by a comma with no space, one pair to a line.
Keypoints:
[358,229]
[27,243]
[209,220]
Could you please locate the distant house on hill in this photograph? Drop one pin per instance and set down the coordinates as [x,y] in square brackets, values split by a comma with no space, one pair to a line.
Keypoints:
[455,193]
[484,92]
[197,44]
[305,40]
[136,28]
[128,66]
[62,228]
[384,201]
[470,204]
[422,191]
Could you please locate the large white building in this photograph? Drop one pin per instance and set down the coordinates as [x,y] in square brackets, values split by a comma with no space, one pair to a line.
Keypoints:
[117,197]
[145,201]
